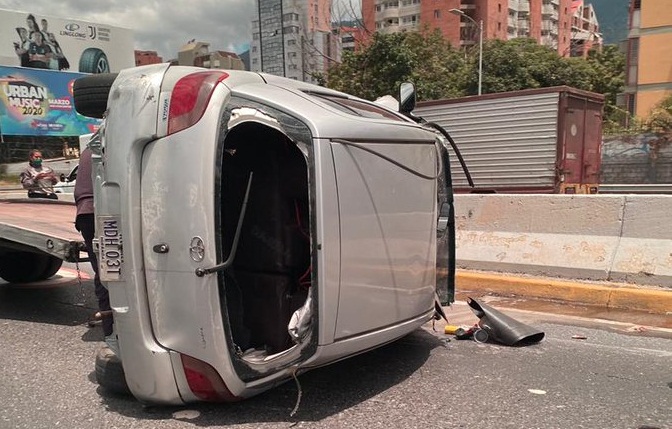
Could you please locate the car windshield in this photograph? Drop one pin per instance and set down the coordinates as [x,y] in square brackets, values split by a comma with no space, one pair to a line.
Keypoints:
[356,107]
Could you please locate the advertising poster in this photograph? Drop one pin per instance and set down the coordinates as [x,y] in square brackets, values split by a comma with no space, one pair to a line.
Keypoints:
[45,42]
[39,103]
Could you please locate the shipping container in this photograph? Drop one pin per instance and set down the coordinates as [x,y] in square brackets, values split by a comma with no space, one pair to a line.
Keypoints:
[543,140]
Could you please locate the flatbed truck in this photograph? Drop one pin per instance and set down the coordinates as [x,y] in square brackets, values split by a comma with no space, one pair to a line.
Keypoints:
[36,236]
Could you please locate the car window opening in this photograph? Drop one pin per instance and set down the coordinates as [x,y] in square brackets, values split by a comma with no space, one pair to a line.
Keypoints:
[270,277]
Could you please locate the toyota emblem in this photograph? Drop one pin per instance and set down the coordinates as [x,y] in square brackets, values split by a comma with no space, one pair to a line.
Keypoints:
[197,249]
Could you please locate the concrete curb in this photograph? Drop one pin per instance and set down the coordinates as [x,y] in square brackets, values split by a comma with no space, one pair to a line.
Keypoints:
[21,195]
[609,295]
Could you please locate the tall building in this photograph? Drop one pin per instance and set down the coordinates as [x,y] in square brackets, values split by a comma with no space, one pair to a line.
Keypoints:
[349,34]
[292,38]
[649,56]
[547,21]
[585,29]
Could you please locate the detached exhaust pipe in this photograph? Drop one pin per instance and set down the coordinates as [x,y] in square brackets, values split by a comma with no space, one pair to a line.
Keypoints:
[502,328]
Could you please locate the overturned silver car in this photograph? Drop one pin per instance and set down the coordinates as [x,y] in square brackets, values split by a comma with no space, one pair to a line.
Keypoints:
[251,227]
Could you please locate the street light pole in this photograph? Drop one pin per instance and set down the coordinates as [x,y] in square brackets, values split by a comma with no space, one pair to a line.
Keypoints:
[480,56]
[478,24]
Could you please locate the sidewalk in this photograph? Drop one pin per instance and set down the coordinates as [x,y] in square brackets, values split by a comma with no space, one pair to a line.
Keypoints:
[598,294]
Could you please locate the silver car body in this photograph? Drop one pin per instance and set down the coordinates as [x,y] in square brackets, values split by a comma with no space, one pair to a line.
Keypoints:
[364,217]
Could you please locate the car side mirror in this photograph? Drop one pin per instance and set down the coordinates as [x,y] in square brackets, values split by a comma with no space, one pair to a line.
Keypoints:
[62,177]
[406,98]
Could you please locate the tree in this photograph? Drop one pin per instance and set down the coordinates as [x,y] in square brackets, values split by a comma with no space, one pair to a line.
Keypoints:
[660,118]
[608,77]
[424,58]
[440,71]
[522,64]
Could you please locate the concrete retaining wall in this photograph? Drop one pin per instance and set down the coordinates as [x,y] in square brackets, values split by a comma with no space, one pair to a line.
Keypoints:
[622,238]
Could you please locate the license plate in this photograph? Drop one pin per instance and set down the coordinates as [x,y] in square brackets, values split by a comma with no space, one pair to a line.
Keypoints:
[110,256]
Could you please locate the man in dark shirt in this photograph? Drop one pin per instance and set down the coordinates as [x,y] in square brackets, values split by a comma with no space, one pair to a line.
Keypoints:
[85,224]
[39,51]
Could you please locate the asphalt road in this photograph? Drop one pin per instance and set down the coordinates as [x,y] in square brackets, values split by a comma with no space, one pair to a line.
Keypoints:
[619,376]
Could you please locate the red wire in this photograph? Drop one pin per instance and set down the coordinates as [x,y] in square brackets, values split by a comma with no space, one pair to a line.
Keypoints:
[298,220]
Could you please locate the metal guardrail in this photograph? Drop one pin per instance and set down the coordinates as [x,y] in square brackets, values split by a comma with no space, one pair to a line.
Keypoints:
[664,188]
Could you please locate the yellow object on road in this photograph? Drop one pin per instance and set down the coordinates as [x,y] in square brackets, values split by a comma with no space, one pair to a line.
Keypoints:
[450,329]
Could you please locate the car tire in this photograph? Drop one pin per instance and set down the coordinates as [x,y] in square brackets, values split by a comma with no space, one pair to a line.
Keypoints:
[24,267]
[110,372]
[52,268]
[91,92]
[93,60]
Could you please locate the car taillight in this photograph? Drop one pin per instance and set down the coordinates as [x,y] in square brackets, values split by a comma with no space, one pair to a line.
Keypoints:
[205,382]
[190,97]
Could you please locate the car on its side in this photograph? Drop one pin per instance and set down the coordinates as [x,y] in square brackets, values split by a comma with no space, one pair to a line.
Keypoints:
[252,227]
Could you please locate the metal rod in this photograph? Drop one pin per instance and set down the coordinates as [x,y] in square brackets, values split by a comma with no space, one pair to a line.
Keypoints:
[200,272]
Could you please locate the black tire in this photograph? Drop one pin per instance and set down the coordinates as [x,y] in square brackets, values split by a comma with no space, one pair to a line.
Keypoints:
[52,268]
[93,60]
[110,372]
[91,92]
[24,267]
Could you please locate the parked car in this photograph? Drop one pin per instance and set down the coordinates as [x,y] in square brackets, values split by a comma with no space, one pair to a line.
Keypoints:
[66,184]
[269,227]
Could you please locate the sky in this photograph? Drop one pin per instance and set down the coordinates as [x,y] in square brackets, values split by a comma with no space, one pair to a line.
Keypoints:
[159,25]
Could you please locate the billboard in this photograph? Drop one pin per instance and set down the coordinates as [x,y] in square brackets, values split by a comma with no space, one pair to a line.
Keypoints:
[39,103]
[37,41]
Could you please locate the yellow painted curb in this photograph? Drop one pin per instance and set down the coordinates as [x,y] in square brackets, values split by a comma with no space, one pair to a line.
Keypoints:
[611,295]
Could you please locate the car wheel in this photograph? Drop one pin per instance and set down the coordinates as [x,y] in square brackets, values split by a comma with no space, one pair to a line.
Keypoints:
[91,92]
[52,268]
[24,267]
[110,372]
[93,60]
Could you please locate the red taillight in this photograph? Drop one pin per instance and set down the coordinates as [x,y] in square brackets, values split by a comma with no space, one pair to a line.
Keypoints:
[190,97]
[204,381]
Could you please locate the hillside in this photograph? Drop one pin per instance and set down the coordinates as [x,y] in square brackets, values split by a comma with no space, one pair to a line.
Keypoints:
[613,18]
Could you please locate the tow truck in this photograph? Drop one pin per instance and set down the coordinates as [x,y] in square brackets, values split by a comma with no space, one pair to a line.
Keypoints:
[36,237]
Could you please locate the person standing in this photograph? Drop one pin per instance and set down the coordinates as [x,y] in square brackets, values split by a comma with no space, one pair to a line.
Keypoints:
[85,224]
[38,179]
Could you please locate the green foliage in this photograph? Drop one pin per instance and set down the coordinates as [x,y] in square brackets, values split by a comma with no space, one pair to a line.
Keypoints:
[420,57]
[608,67]
[441,71]
[660,119]
[9,179]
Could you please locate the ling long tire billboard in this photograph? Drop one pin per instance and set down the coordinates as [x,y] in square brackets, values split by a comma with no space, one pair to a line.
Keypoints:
[37,41]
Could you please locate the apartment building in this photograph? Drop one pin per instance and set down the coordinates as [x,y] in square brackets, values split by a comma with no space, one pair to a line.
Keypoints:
[349,34]
[547,21]
[585,30]
[198,54]
[292,38]
[143,58]
[649,56]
